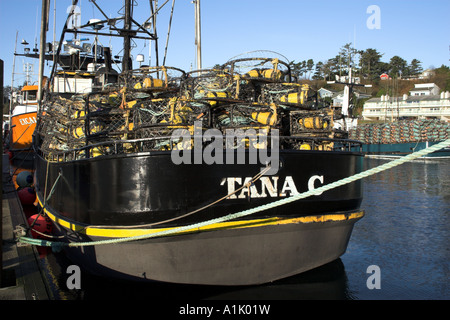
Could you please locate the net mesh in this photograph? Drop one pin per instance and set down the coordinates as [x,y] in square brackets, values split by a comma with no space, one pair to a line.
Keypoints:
[145,107]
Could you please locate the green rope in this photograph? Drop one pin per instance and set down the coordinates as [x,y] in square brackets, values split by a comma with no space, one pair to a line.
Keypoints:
[367,173]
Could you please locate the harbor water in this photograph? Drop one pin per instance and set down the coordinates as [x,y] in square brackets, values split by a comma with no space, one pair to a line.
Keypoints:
[399,250]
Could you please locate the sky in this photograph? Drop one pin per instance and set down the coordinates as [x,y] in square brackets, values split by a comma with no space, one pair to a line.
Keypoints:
[297,29]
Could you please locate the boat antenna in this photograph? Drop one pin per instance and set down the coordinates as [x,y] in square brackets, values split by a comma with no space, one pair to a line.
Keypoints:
[61,39]
[12,77]
[154,11]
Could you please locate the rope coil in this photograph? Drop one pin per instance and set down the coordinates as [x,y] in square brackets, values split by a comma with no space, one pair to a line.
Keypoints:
[59,245]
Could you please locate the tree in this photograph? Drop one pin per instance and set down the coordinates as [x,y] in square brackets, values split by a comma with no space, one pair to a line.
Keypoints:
[297,68]
[309,67]
[329,69]
[346,58]
[383,67]
[442,77]
[370,63]
[398,67]
[415,67]
[318,74]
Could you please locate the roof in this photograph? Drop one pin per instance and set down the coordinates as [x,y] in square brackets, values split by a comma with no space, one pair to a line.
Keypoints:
[424,86]
[30,88]
[329,90]
[422,89]
[357,93]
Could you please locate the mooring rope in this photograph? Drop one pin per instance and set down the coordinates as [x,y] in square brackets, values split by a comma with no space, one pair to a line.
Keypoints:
[358,176]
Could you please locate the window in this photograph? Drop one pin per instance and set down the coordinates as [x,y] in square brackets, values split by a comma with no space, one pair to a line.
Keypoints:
[31,95]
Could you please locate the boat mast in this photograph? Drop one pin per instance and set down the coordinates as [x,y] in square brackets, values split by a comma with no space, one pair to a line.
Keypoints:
[126,38]
[198,34]
[12,78]
[43,39]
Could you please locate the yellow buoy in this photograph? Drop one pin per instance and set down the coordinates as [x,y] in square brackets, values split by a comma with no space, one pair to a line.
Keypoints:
[96,152]
[255,73]
[212,95]
[305,146]
[267,118]
[297,97]
[265,73]
[313,123]
[272,74]
[149,83]
[153,83]
[78,114]
[78,132]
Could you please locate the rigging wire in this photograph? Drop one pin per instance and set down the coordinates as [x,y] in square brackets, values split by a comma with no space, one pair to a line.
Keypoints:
[168,33]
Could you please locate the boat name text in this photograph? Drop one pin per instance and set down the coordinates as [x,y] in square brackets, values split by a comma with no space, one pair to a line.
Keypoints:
[27,121]
[266,186]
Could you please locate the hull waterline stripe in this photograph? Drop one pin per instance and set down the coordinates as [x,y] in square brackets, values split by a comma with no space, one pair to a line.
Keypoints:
[303,195]
[125,233]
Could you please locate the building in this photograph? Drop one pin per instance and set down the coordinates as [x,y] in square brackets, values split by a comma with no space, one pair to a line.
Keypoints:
[425,89]
[338,97]
[422,106]
[324,93]
[428,73]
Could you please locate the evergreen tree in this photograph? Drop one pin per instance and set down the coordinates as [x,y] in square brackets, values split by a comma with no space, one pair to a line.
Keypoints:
[415,67]
[318,74]
[398,67]
[309,67]
[370,63]
[297,68]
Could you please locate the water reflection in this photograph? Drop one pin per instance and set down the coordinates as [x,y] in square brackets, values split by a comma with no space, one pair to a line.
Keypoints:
[405,232]
[326,282]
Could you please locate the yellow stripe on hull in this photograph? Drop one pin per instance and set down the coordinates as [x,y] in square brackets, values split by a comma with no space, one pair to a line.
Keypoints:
[101,231]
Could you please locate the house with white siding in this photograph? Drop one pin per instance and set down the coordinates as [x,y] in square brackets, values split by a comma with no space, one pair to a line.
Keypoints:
[425,89]
[422,106]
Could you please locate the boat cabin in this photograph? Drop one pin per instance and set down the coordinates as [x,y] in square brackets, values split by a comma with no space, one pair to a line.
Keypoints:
[28,95]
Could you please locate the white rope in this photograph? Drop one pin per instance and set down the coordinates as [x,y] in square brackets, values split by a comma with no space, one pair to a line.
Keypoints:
[244,213]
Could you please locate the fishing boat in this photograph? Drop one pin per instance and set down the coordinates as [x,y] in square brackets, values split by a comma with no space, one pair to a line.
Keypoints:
[158,174]
[23,119]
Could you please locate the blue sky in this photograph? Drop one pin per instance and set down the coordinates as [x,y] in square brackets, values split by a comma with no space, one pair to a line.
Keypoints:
[298,29]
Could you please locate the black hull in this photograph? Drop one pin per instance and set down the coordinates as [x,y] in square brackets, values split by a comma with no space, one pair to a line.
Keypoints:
[240,256]
[150,188]
[113,197]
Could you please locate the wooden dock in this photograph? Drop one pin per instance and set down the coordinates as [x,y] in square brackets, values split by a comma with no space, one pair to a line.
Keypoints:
[22,277]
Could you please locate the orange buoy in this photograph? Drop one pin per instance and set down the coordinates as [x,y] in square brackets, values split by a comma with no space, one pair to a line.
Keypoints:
[43,225]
